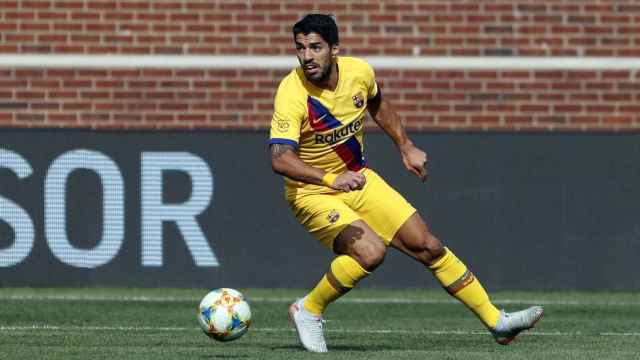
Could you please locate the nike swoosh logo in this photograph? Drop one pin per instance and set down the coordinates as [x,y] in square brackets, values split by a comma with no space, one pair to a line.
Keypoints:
[318,120]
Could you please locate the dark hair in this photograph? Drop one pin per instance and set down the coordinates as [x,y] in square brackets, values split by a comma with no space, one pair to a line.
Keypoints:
[322,24]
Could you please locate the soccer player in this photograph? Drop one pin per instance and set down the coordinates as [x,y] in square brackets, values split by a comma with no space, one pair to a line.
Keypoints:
[316,143]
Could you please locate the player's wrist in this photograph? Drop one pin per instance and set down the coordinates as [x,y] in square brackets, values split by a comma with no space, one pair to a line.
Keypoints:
[406,145]
[329,178]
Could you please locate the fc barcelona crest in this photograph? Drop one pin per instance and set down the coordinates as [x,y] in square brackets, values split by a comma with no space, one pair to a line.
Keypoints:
[358,101]
[333,216]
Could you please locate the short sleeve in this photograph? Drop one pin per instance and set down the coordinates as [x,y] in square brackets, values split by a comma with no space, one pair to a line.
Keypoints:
[288,115]
[372,86]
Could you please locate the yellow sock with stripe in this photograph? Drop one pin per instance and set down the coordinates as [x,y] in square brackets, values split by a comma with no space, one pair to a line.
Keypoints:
[460,283]
[344,273]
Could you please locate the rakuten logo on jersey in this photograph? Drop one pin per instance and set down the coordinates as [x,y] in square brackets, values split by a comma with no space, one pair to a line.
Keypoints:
[338,134]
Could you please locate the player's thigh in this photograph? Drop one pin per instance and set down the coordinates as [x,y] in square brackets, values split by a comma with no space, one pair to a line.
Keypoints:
[382,207]
[325,216]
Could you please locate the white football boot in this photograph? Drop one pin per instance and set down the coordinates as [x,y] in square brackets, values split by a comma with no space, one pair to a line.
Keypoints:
[511,324]
[308,326]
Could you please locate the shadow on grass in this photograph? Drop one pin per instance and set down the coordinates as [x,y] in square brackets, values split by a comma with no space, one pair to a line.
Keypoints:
[342,348]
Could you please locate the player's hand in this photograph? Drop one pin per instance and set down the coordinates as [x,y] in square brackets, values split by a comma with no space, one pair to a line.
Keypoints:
[415,160]
[349,181]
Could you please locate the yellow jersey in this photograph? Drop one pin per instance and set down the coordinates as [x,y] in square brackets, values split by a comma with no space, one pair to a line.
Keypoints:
[326,127]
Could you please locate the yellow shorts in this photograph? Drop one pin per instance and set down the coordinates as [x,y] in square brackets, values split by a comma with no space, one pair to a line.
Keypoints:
[377,204]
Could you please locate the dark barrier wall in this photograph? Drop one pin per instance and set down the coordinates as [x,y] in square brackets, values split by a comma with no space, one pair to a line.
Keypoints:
[203,209]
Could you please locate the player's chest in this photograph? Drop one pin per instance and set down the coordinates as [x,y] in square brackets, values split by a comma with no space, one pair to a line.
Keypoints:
[345,105]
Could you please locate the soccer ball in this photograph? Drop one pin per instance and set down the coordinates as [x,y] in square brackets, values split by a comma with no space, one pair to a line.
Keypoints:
[224,314]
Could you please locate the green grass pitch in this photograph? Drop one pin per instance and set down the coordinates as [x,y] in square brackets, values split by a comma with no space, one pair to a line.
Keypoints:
[110,323]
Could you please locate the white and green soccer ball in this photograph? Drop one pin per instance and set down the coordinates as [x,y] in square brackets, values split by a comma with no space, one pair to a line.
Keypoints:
[224,314]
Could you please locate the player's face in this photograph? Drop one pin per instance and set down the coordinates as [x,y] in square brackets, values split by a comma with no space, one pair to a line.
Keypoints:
[316,56]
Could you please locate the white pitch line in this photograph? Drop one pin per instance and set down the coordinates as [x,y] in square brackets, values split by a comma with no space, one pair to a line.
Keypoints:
[287,62]
[286,329]
[173,299]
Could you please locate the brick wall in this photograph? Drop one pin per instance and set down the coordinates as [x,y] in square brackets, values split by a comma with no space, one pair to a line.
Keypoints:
[472,28]
[232,98]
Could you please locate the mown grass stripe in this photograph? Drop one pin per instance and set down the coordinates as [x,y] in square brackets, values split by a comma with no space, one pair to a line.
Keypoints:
[284,329]
[171,299]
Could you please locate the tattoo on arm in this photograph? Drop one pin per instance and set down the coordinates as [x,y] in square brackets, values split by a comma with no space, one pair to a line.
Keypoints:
[278,149]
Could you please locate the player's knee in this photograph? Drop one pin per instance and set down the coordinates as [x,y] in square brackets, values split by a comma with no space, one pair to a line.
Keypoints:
[428,248]
[433,249]
[436,251]
[371,255]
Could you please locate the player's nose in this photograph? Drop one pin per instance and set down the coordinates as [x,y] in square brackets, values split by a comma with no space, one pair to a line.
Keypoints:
[307,55]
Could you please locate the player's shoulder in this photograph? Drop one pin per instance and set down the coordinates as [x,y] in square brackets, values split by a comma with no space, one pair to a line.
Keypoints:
[291,95]
[356,67]
[291,83]
[290,80]
[354,63]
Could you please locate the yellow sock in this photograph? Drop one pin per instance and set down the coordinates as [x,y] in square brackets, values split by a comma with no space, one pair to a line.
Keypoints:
[343,275]
[460,283]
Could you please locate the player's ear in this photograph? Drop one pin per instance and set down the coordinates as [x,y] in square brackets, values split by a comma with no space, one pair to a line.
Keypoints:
[335,49]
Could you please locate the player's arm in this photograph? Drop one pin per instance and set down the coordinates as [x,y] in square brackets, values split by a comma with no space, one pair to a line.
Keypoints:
[387,118]
[285,161]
